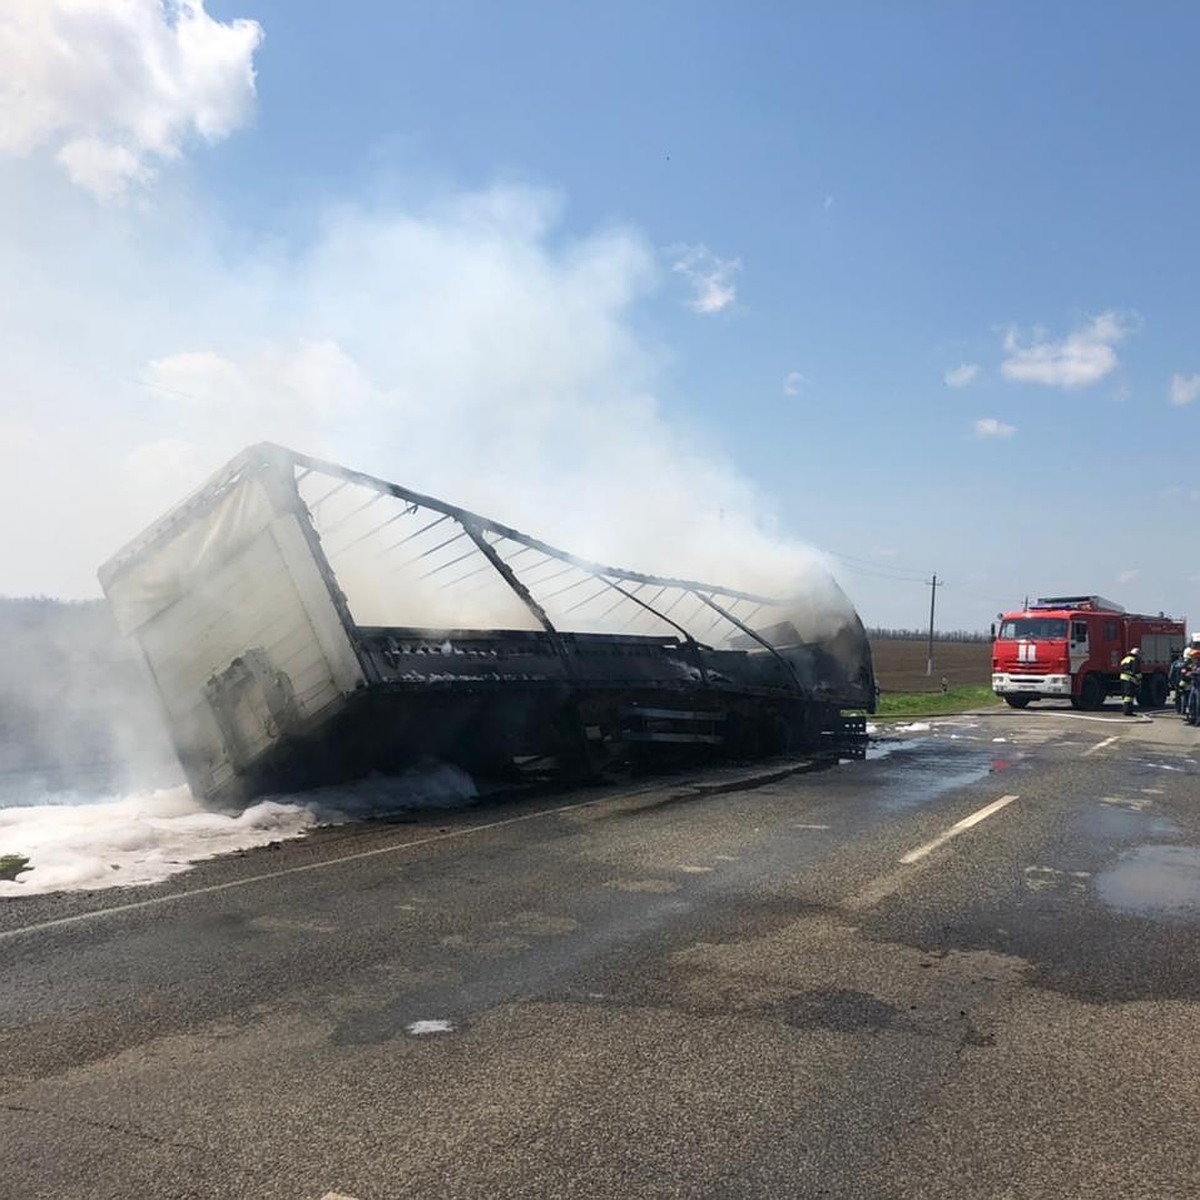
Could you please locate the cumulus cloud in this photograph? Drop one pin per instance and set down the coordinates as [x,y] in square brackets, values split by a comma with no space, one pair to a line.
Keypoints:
[793,383]
[989,427]
[710,277]
[1078,360]
[111,87]
[1184,389]
[961,376]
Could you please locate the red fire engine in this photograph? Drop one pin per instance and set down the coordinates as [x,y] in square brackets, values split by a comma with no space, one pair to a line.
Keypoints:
[1072,646]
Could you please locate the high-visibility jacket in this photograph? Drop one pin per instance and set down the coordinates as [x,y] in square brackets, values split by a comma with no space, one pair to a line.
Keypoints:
[1130,672]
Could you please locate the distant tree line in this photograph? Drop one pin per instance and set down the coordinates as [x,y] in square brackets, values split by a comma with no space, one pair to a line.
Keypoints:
[879,634]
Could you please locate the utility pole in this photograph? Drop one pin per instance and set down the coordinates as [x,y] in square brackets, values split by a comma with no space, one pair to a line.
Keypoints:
[933,587]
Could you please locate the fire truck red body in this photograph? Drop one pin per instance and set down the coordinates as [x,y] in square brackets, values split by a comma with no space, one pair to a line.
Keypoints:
[1071,647]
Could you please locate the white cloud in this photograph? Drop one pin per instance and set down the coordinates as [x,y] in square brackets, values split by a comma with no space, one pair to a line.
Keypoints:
[1184,389]
[989,427]
[1128,576]
[711,277]
[102,168]
[793,383]
[959,377]
[1080,359]
[111,86]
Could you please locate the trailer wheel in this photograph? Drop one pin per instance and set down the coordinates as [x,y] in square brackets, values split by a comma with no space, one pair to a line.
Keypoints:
[1091,694]
[1017,701]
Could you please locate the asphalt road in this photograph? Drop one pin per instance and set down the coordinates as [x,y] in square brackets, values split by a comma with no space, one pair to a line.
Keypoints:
[966,967]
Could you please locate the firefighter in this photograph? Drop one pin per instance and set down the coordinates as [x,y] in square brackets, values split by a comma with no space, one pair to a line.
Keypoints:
[1187,678]
[1131,679]
[1185,683]
[1175,680]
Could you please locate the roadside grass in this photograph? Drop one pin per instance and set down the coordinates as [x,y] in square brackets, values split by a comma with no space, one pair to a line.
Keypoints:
[11,865]
[927,704]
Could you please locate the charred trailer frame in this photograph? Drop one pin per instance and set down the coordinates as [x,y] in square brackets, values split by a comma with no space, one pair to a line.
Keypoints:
[304,624]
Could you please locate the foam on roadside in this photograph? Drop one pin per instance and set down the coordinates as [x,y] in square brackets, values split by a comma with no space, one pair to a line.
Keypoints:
[82,843]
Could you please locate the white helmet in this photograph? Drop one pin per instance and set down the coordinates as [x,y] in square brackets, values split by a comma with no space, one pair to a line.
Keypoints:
[1136,650]
[1195,637]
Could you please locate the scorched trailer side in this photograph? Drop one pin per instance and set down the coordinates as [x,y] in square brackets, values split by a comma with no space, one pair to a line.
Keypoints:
[303,624]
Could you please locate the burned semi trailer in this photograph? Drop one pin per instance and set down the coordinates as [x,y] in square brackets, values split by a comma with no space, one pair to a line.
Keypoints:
[306,624]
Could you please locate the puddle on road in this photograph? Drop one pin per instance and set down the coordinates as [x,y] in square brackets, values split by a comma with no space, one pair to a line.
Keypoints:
[915,771]
[1161,883]
[1115,819]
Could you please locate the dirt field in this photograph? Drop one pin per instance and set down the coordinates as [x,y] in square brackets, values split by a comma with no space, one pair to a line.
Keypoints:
[900,666]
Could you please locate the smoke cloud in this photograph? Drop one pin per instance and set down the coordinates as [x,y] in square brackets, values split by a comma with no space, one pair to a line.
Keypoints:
[473,344]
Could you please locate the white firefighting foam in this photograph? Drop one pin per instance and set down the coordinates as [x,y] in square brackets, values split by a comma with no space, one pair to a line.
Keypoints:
[79,843]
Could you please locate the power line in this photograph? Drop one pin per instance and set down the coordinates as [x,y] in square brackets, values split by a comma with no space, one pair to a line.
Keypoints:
[866,566]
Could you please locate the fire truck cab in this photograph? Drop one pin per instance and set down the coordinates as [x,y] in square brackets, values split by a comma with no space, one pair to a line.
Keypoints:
[1071,647]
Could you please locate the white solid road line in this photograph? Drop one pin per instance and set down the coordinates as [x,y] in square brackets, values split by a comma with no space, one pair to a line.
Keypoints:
[960,827]
[1100,745]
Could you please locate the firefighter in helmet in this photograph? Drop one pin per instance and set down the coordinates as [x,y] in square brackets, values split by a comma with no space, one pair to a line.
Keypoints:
[1190,682]
[1175,679]
[1131,679]
[1187,678]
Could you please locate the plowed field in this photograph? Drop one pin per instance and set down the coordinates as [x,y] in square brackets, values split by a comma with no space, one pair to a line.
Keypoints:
[900,666]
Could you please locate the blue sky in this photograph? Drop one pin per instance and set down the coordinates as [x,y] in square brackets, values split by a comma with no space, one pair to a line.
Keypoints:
[911,284]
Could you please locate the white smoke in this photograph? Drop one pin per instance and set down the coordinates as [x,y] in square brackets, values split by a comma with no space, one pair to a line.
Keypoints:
[476,345]
[471,347]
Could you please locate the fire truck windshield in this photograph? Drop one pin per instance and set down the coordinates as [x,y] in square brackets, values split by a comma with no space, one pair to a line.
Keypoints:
[1037,629]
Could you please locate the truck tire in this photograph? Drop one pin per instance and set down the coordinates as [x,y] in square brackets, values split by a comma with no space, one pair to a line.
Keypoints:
[1154,692]
[1091,693]
[1017,701]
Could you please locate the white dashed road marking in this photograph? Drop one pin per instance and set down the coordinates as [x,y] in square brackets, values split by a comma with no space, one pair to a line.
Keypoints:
[888,884]
[959,827]
[1100,745]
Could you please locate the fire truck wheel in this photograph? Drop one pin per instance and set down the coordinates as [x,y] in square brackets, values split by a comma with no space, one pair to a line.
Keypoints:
[1091,694]
[1154,694]
[1017,701]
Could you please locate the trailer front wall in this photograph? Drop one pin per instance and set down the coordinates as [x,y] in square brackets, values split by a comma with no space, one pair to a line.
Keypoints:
[236,625]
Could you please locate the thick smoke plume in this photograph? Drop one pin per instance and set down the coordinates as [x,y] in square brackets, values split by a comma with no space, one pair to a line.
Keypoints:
[473,344]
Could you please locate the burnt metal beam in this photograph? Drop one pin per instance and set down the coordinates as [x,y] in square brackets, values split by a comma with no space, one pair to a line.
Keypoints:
[762,641]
